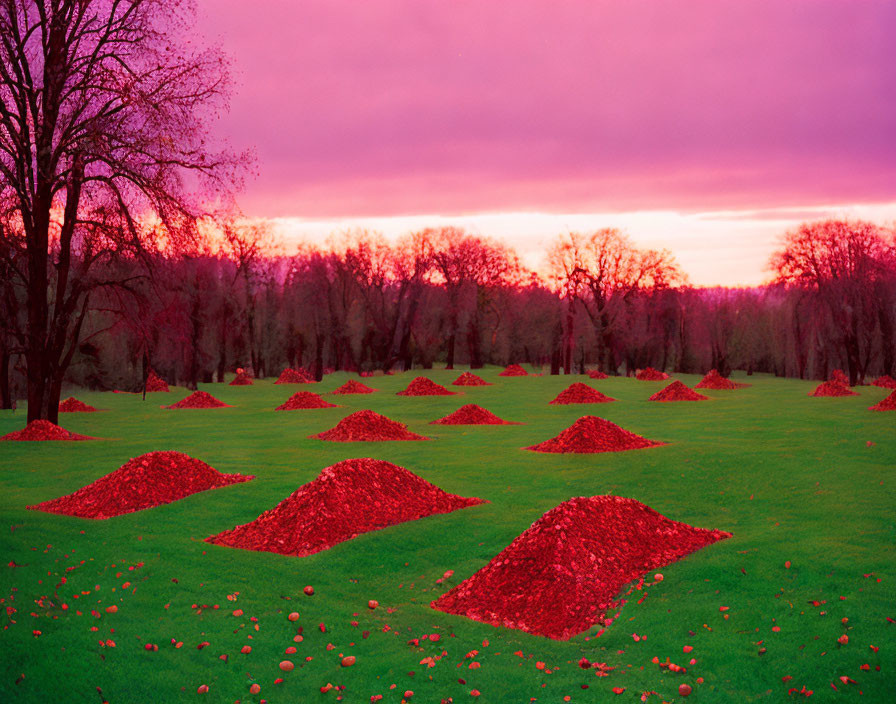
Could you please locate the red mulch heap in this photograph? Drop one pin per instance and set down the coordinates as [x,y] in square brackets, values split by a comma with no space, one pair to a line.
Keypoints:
[581,393]
[351,497]
[39,430]
[514,370]
[888,404]
[561,576]
[73,405]
[353,387]
[471,414]
[714,380]
[367,426]
[155,383]
[421,386]
[885,382]
[294,376]
[304,399]
[676,391]
[597,374]
[469,379]
[199,399]
[592,434]
[651,374]
[832,388]
[146,481]
[839,376]
[241,379]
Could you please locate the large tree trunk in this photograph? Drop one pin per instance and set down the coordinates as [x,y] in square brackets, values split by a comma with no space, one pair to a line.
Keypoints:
[5,395]
[569,340]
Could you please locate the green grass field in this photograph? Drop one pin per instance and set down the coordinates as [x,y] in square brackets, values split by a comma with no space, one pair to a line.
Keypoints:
[792,477]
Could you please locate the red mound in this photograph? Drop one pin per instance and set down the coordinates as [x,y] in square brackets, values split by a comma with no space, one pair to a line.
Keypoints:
[840,377]
[561,576]
[155,383]
[597,374]
[592,434]
[345,500]
[471,414]
[421,386]
[149,480]
[888,404]
[651,374]
[885,381]
[241,379]
[832,388]
[676,391]
[73,405]
[294,376]
[367,426]
[714,380]
[304,399]
[469,379]
[353,387]
[39,430]
[199,399]
[514,370]
[581,393]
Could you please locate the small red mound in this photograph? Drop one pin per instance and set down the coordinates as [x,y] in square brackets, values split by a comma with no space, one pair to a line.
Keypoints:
[155,383]
[561,576]
[73,405]
[294,376]
[514,370]
[840,377]
[421,386]
[199,399]
[676,391]
[651,374]
[41,430]
[345,500]
[885,382]
[581,393]
[592,434]
[146,481]
[353,387]
[367,426]
[888,404]
[714,380]
[304,399]
[832,388]
[597,374]
[471,414]
[469,379]
[241,379]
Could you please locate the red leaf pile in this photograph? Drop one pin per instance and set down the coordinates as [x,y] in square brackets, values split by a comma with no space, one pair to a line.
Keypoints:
[155,383]
[367,426]
[832,388]
[73,405]
[146,481]
[581,393]
[714,380]
[651,374]
[839,376]
[514,370]
[294,376]
[597,374]
[353,387]
[199,399]
[676,391]
[469,379]
[471,414]
[885,382]
[241,379]
[888,404]
[40,430]
[561,575]
[304,399]
[421,386]
[592,434]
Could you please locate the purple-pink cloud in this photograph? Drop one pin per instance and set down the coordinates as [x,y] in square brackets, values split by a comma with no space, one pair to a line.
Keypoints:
[380,108]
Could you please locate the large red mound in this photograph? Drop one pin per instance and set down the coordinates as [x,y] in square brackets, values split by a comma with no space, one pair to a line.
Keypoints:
[651,374]
[885,382]
[592,434]
[155,383]
[304,399]
[353,387]
[421,386]
[367,426]
[471,414]
[561,576]
[469,379]
[40,430]
[241,379]
[73,405]
[840,377]
[345,500]
[581,393]
[294,376]
[676,391]
[714,380]
[888,404]
[149,480]
[597,374]
[199,399]
[514,370]
[832,388]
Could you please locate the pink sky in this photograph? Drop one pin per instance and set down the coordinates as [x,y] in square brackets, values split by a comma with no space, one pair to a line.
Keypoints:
[389,109]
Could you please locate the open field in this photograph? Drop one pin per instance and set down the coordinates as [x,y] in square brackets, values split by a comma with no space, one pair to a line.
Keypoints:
[811,505]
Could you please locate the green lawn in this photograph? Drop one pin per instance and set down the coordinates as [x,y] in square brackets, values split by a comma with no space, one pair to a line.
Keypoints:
[792,477]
